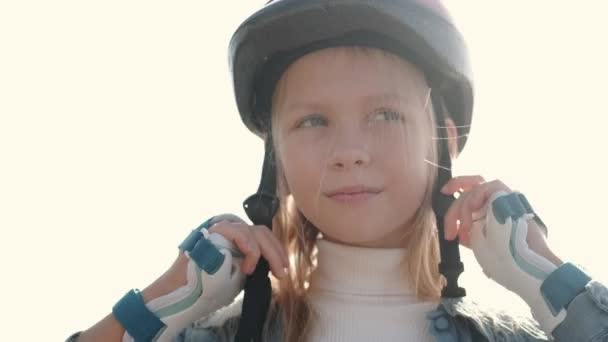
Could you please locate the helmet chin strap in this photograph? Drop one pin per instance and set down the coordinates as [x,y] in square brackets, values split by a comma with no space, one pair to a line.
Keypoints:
[260,208]
[263,205]
[450,266]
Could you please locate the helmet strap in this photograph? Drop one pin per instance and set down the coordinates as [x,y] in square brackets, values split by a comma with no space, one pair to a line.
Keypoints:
[450,265]
[260,208]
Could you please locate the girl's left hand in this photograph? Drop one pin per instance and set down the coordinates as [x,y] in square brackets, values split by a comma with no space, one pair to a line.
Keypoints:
[471,206]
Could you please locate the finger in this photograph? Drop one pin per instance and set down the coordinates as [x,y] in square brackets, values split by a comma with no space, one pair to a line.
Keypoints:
[271,248]
[465,238]
[251,257]
[479,198]
[234,234]
[466,215]
[450,221]
[464,183]
[475,200]
[473,238]
[279,246]
[269,251]
[242,237]
[268,234]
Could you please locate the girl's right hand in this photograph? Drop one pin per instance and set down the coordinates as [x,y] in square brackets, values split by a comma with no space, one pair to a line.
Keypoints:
[201,280]
[252,241]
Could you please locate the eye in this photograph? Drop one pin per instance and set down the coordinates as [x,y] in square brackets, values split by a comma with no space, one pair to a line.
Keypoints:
[312,121]
[387,115]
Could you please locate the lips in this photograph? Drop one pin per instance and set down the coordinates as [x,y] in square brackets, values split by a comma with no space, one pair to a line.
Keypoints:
[353,193]
[355,189]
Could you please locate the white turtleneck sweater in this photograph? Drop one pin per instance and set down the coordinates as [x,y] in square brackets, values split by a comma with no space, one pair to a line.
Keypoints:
[363,294]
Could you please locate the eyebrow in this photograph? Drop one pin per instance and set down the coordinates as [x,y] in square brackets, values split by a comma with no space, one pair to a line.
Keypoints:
[385,97]
[368,100]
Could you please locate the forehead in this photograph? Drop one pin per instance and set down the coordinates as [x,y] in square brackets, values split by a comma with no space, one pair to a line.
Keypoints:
[343,73]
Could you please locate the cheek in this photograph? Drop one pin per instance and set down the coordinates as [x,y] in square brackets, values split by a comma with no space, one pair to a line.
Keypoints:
[405,166]
[302,167]
[404,149]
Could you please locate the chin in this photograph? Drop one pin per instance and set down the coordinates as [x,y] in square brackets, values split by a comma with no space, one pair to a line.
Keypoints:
[360,239]
[362,230]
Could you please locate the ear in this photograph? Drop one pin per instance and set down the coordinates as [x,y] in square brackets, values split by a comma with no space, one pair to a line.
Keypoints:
[452,137]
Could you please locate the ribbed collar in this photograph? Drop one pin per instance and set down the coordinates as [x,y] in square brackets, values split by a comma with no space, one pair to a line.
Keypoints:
[360,271]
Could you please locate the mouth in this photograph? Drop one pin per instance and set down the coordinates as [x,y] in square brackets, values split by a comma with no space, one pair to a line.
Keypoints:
[353,194]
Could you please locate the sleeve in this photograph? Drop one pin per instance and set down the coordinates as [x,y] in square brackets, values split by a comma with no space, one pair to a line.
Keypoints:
[222,325]
[474,322]
[587,318]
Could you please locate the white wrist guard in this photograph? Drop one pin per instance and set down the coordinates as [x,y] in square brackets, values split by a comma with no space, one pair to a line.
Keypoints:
[500,246]
[213,281]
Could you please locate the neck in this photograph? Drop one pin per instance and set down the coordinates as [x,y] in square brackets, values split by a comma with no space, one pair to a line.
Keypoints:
[361,270]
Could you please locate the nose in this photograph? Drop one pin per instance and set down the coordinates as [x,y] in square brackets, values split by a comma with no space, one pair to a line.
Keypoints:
[349,155]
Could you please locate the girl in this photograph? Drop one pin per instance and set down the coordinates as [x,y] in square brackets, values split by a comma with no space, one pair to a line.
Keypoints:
[362,105]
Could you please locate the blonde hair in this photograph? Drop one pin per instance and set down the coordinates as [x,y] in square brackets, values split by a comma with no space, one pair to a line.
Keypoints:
[299,237]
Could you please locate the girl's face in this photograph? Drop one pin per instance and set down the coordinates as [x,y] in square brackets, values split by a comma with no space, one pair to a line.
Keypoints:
[352,133]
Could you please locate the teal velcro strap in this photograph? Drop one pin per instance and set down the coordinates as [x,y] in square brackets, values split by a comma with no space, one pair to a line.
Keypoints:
[510,206]
[131,312]
[562,285]
[207,256]
[524,202]
[189,243]
[194,236]
[530,210]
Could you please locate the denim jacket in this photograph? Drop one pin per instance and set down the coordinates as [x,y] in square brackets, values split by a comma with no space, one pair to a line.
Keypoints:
[454,320]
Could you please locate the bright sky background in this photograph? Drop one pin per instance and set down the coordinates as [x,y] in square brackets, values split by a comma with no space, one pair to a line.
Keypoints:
[119,134]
